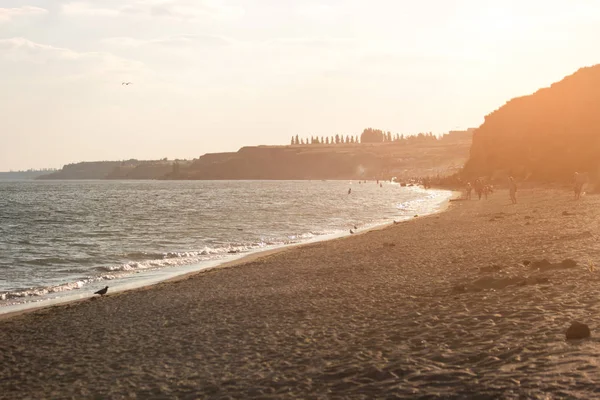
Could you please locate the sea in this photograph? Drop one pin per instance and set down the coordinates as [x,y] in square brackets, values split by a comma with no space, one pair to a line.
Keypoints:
[64,240]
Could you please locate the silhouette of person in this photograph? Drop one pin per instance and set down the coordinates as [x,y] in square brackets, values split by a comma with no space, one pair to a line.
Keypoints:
[579,180]
[478,188]
[469,190]
[349,190]
[512,189]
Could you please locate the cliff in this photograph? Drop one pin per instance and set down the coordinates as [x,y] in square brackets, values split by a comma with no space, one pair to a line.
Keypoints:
[24,175]
[339,161]
[131,169]
[84,170]
[348,161]
[544,136]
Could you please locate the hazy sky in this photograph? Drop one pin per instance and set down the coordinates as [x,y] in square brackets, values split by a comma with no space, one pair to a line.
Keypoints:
[214,75]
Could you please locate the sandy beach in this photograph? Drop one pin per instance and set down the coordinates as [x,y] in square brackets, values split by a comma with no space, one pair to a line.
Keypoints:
[438,307]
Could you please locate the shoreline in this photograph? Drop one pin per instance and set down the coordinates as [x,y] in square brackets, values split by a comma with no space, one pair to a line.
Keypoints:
[444,306]
[25,308]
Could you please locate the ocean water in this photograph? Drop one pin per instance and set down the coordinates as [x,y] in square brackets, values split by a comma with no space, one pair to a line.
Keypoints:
[61,240]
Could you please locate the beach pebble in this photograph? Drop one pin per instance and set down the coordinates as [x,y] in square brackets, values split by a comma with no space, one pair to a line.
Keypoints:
[577,330]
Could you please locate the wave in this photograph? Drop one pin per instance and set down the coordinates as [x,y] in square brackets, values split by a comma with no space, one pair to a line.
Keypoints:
[146,261]
[42,291]
[119,246]
[49,261]
[139,261]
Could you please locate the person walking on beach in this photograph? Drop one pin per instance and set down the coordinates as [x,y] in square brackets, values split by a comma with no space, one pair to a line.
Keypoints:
[469,190]
[579,181]
[478,188]
[512,189]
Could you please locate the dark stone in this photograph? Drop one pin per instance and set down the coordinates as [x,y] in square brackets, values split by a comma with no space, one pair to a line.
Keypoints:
[542,264]
[526,263]
[545,265]
[577,330]
[459,289]
[568,263]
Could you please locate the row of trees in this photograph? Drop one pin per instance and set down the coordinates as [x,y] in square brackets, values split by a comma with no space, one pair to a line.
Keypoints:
[337,139]
[369,135]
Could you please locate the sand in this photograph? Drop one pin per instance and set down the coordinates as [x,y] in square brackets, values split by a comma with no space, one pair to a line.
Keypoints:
[437,307]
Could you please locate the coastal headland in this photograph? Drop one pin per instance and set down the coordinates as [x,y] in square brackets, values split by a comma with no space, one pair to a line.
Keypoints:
[413,157]
[453,304]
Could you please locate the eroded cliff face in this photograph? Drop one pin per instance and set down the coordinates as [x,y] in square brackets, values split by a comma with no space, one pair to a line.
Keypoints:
[351,161]
[544,136]
[346,161]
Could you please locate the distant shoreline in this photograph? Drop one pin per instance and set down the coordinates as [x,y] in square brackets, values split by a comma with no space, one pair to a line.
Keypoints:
[296,162]
[83,294]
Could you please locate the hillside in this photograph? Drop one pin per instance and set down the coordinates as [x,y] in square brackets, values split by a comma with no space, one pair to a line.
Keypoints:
[334,161]
[544,136]
[349,161]
[131,169]
[24,175]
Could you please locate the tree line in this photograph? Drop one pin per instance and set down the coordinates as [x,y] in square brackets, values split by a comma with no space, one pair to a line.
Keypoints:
[369,135]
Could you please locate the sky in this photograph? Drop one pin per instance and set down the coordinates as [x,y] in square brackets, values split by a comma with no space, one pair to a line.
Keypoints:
[216,75]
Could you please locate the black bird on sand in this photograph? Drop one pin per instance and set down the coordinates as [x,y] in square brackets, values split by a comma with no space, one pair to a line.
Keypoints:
[102,292]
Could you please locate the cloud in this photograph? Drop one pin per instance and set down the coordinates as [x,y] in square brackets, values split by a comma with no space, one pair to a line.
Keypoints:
[174,9]
[7,14]
[188,40]
[315,42]
[315,10]
[30,59]
[86,9]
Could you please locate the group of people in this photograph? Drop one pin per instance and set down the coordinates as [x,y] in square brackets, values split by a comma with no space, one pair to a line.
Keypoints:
[483,189]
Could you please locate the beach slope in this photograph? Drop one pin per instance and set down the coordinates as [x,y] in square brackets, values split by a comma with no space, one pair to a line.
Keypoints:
[442,305]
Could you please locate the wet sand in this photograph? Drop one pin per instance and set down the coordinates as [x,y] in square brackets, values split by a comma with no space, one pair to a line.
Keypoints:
[437,307]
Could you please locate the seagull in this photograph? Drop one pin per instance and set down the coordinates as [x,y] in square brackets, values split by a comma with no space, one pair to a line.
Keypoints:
[126,83]
[102,292]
